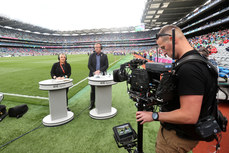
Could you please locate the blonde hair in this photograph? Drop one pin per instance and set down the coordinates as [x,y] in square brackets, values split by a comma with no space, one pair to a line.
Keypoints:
[64,56]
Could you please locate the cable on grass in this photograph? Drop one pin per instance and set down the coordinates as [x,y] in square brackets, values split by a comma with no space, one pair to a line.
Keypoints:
[38,127]
[1,147]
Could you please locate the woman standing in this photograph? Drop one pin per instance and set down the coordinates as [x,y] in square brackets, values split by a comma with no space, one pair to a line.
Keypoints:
[61,70]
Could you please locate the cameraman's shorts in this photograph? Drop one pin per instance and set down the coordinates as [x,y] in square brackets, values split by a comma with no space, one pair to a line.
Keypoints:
[169,142]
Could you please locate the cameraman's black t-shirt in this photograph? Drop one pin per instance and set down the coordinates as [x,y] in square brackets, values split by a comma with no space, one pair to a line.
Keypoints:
[193,78]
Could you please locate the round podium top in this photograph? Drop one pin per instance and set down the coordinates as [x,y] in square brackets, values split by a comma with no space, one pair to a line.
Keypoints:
[53,84]
[101,80]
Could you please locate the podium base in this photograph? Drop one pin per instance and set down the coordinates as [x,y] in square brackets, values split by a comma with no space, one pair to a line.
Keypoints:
[101,116]
[48,122]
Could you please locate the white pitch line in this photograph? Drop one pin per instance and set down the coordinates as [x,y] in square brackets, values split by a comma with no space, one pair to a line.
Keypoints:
[78,83]
[46,98]
[26,96]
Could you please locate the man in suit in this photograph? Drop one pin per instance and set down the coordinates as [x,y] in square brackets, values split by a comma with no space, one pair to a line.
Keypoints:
[97,64]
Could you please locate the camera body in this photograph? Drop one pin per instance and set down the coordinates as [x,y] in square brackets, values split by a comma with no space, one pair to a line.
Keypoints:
[142,84]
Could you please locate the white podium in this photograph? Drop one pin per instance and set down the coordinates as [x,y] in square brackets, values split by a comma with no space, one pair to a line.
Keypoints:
[57,101]
[103,97]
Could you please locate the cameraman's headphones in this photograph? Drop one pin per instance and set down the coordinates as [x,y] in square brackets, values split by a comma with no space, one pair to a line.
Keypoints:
[64,55]
[100,46]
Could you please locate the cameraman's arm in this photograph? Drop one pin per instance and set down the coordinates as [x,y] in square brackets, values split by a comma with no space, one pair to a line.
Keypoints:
[187,114]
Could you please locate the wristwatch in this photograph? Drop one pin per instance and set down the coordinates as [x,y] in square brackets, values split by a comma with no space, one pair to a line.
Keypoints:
[155,116]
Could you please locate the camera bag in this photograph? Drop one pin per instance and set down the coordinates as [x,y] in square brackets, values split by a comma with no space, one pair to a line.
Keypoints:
[18,111]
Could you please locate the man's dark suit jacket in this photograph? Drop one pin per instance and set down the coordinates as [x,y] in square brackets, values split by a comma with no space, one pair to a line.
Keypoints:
[92,63]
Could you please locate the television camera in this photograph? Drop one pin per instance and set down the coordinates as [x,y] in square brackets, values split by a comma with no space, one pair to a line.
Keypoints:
[142,87]
[142,84]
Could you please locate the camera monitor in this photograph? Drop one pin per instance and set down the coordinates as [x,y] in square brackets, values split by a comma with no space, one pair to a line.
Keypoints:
[124,133]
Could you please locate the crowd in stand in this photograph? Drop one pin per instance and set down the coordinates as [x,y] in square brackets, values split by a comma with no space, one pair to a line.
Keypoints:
[209,41]
[8,51]
[120,48]
[155,54]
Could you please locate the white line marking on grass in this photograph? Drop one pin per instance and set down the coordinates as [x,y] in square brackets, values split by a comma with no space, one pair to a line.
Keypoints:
[115,61]
[26,96]
[78,83]
[46,98]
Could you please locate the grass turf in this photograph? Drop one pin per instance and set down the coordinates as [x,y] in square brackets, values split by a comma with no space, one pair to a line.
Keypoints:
[21,75]
[81,135]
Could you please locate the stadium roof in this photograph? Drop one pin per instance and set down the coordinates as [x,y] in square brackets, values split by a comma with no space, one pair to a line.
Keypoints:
[18,25]
[156,14]
[14,24]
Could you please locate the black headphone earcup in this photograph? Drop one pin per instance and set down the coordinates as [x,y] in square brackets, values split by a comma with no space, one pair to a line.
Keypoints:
[101,46]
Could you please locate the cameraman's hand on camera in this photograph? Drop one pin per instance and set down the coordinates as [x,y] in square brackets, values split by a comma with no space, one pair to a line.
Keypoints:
[143,116]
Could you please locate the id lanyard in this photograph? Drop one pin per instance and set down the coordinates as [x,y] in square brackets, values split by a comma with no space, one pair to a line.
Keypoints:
[62,68]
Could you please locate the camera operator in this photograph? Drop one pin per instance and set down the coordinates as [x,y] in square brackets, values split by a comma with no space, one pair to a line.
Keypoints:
[179,116]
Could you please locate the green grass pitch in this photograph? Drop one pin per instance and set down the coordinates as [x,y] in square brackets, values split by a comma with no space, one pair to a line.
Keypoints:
[20,75]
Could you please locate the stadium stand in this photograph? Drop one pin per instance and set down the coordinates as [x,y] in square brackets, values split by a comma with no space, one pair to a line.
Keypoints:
[34,45]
